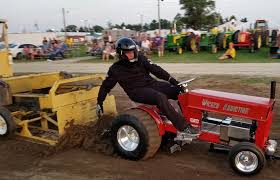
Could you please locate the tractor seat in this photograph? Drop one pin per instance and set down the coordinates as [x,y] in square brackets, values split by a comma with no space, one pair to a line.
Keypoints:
[173,103]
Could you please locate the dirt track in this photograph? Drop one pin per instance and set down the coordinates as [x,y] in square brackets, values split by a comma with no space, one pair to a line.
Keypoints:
[23,160]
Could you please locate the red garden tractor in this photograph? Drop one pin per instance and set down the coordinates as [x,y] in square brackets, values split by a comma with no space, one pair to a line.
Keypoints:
[239,123]
[251,40]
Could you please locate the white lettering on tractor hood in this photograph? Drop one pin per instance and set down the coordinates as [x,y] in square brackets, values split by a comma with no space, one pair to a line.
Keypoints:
[210,104]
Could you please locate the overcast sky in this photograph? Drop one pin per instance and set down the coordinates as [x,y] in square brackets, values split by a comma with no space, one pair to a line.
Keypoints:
[23,14]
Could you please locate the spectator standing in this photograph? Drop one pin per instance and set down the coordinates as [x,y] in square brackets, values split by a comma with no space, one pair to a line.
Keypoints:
[33,53]
[45,41]
[105,37]
[146,46]
[158,40]
[106,52]
[26,52]
[45,47]
[69,42]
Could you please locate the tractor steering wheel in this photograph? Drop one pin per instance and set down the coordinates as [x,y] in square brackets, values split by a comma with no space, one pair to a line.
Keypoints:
[184,84]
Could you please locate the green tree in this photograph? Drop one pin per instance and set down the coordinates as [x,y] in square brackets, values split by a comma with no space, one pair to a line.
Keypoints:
[82,29]
[179,22]
[122,25]
[71,28]
[232,17]
[97,28]
[165,24]
[109,24]
[153,25]
[117,26]
[244,20]
[199,13]
[146,27]
[50,30]
[136,27]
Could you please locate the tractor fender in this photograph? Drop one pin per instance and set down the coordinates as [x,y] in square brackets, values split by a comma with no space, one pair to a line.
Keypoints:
[154,114]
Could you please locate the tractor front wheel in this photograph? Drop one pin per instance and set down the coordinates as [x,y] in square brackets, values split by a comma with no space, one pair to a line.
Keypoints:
[246,158]
[7,124]
[135,135]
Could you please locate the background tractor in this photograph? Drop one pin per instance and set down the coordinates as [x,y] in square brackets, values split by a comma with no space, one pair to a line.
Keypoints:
[261,26]
[213,40]
[182,42]
[275,42]
[251,40]
[174,42]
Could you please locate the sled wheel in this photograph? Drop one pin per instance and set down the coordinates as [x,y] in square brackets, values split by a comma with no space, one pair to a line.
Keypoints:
[7,124]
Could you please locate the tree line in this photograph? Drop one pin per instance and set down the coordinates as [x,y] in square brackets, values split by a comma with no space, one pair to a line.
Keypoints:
[198,15]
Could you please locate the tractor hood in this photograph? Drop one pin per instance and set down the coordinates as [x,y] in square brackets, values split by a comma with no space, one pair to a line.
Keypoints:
[244,106]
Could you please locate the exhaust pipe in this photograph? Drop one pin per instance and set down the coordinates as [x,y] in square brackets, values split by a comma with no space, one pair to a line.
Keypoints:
[272,89]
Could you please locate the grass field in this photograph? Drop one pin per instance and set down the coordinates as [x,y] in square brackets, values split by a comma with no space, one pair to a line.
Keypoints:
[243,56]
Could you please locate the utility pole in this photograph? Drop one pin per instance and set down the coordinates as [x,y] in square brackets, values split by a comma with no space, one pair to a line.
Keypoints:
[64,22]
[141,20]
[159,25]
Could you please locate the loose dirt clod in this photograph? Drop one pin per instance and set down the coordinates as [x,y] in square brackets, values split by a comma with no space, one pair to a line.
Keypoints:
[94,136]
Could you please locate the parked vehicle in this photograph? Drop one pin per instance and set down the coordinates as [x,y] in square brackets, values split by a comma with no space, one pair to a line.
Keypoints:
[261,26]
[16,50]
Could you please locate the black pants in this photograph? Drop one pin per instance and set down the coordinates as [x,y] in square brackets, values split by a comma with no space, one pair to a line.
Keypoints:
[158,94]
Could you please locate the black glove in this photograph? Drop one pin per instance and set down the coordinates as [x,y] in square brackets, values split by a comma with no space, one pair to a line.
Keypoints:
[173,81]
[99,110]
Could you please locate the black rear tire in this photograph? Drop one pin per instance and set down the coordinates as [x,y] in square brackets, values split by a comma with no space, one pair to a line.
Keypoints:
[189,39]
[220,41]
[6,115]
[246,147]
[146,127]
[274,38]
[235,37]
[265,38]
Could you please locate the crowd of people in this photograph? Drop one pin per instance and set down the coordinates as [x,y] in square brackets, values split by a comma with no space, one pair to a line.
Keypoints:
[51,49]
[105,47]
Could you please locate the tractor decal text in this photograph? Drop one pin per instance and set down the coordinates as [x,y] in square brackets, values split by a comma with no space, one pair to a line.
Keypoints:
[210,104]
[236,109]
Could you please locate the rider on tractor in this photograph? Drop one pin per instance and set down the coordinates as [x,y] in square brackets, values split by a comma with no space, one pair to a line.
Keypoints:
[132,72]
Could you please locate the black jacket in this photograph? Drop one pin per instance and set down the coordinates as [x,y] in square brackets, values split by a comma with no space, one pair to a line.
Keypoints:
[130,76]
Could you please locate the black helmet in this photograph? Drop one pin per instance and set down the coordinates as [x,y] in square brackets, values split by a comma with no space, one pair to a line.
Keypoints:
[126,44]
